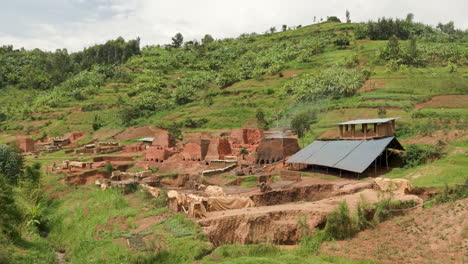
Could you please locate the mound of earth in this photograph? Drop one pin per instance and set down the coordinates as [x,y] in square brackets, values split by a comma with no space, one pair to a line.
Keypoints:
[435,235]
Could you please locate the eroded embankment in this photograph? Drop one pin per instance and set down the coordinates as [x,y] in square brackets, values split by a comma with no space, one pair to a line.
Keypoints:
[279,223]
[308,192]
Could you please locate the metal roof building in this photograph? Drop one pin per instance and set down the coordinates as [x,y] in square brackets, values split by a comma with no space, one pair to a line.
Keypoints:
[369,121]
[349,155]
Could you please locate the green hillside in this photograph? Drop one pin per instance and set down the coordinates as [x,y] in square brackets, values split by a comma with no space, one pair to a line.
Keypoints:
[318,75]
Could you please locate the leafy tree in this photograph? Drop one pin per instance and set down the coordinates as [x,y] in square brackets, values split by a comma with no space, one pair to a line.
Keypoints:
[11,163]
[9,212]
[348,19]
[412,54]
[272,29]
[109,168]
[448,28]
[207,39]
[333,19]
[392,51]
[97,123]
[409,17]
[284,28]
[262,122]
[32,173]
[177,40]
[302,121]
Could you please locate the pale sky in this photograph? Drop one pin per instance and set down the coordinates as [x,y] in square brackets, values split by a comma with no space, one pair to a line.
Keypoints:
[75,24]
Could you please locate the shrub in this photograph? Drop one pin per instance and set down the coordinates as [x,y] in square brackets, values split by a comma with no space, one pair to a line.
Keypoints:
[451,194]
[330,83]
[339,223]
[416,154]
[194,123]
[333,19]
[11,163]
[108,168]
[301,122]
[381,112]
[9,213]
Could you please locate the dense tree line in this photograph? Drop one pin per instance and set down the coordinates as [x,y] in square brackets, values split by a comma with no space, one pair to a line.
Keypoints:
[385,28]
[43,70]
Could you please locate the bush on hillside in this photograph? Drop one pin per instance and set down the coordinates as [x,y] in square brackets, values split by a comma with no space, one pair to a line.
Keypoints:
[9,213]
[416,155]
[331,83]
[11,163]
[301,122]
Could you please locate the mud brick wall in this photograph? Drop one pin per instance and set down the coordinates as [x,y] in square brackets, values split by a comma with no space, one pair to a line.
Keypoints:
[275,149]
[196,150]
[110,158]
[218,148]
[163,139]
[26,144]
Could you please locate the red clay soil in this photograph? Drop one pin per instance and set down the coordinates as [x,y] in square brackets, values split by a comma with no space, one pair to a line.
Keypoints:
[436,235]
[147,222]
[278,223]
[86,178]
[446,101]
[330,134]
[372,84]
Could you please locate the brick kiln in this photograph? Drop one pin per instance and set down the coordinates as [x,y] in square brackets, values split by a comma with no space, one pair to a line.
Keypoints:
[275,149]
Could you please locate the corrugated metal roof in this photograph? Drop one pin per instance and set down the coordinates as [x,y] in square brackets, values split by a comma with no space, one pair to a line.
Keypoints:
[368,121]
[350,155]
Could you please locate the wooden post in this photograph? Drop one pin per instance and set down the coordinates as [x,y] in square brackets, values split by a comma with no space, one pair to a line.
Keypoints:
[386,158]
[341,130]
[364,127]
[375,167]
[340,172]
[353,130]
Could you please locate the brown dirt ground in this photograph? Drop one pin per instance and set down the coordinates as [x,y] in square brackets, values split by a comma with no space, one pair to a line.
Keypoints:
[372,84]
[115,84]
[363,41]
[436,235]
[439,135]
[446,101]
[105,134]
[330,134]
[145,223]
[287,74]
